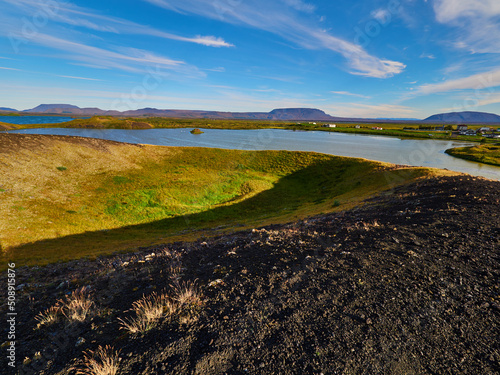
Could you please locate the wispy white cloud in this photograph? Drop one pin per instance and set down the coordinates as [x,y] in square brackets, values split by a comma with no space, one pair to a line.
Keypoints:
[280,18]
[490,99]
[207,40]
[453,68]
[475,82]
[476,22]
[267,90]
[219,69]
[301,5]
[370,110]
[90,65]
[427,56]
[360,61]
[128,59]
[350,94]
[73,15]
[5,68]
[471,101]
[225,87]
[450,10]
[381,15]
[222,89]
[82,78]
[282,79]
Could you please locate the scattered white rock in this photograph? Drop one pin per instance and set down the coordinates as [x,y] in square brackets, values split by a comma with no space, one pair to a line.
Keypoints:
[216,282]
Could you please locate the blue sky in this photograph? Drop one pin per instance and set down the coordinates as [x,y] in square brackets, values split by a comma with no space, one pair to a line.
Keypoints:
[367,58]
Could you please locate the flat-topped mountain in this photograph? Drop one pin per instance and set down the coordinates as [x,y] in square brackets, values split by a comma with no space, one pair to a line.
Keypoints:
[300,113]
[465,117]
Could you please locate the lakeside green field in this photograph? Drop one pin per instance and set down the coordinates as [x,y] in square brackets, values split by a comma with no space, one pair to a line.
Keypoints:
[72,197]
[487,154]
[400,130]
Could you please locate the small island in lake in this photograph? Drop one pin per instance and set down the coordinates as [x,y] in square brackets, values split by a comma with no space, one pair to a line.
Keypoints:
[196,131]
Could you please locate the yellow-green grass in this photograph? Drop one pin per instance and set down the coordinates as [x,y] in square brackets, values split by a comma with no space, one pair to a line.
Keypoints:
[64,198]
[487,154]
[6,126]
[108,122]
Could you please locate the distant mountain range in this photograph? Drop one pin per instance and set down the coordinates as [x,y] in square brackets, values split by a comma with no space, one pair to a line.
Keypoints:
[287,114]
[276,114]
[467,117]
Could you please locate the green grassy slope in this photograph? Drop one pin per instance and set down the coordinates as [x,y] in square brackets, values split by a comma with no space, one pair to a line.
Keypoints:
[70,197]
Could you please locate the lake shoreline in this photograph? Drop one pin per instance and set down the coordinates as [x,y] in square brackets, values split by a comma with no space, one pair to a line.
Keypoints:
[486,154]
[393,129]
[427,153]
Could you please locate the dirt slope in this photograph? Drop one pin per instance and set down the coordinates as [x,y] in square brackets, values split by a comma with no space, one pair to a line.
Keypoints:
[407,284]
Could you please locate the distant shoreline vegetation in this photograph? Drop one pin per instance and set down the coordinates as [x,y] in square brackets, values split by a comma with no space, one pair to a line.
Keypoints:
[399,130]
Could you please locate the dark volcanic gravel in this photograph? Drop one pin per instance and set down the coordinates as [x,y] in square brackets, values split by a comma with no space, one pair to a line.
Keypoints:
[407,284]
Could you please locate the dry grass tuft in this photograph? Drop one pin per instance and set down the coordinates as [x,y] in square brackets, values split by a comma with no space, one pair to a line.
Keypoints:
[148,310]
[187,293]
[175,272]
[76,308]
[103,361]
[49,316]
[78,305]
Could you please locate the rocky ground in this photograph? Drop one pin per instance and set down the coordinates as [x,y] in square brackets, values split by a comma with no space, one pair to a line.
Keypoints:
[406,284]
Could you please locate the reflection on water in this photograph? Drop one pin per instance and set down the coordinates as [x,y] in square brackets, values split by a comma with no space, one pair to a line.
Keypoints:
[416,152]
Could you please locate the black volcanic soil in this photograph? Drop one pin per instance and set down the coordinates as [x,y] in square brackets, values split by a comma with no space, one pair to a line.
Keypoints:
[407,284]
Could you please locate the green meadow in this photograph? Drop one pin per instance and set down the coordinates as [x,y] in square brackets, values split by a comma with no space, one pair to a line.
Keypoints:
[487,153]
[65,198]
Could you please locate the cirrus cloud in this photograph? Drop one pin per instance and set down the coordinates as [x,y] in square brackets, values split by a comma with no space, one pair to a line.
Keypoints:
[289,22]
[474,82]
[476,21]
[74,15]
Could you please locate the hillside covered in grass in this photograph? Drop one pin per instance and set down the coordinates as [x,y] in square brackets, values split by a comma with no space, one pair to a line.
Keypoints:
[71,197]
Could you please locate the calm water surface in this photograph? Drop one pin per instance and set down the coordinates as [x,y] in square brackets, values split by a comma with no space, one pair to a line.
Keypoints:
[427,153]
[28,120]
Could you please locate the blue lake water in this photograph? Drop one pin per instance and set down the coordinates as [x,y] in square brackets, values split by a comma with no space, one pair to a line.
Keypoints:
[415,152]
[29,120]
